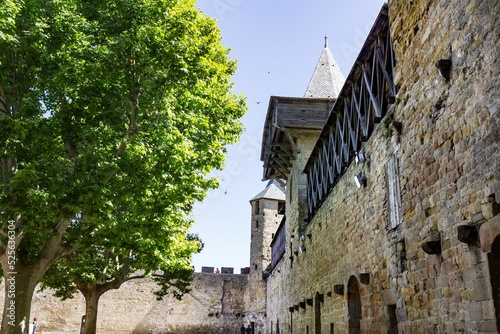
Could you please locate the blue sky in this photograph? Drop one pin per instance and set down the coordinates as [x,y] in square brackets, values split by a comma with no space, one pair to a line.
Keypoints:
[277,44]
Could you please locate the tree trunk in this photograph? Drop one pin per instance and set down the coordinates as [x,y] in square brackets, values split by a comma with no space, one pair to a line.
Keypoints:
[92,296]
[21,280]
[19,288]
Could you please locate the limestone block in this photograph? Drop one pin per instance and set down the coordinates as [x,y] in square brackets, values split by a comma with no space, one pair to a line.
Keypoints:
[488,232]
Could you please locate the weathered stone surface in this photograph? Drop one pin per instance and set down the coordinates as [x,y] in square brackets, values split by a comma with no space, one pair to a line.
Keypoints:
[217,304]
[449,171]
[488,232]
[448,150]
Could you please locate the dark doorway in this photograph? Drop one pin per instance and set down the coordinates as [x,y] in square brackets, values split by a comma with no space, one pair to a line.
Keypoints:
[393,320]
[354,306]
[494,264]
[317,313]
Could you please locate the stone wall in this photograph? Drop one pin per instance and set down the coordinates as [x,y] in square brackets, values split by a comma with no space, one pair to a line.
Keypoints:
[448,156]
[348,257]
[452,170]
[217,304]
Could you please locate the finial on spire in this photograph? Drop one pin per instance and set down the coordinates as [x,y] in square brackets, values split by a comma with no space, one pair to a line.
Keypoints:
[326,41]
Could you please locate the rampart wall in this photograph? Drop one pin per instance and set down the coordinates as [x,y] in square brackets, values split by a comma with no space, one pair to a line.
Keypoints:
[217,304]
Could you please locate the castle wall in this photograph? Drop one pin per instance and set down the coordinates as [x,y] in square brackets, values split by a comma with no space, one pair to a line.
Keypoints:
[348,257]
[216,305]
[448,156]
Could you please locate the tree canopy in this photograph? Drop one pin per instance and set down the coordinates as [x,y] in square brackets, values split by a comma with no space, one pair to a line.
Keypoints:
[108,109]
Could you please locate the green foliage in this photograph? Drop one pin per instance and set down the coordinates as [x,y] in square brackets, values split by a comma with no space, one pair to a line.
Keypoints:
[112,114]
[387,122]
[109,266]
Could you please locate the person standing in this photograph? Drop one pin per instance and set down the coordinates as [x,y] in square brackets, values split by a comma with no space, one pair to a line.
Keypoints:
[242,329]
[34,326]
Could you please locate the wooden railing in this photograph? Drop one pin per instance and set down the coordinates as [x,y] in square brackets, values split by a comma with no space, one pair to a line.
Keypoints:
[363,101]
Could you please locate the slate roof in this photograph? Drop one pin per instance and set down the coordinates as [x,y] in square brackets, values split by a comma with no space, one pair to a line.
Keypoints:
[273,190]
[327,79]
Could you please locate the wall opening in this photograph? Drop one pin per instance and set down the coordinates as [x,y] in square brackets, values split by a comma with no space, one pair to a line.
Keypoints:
[494,264]
[317,314]
[354,306]
[393,192]
[495,207]
[256,208]
[393,320]
[281,207]
[332,328]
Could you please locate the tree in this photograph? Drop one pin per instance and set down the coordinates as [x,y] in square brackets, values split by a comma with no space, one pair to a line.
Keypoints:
[94,270]
[104,105]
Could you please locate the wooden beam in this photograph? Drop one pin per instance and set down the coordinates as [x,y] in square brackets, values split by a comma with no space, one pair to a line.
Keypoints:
[290,139]
[366,76]
[387,77]
[275,150]
[357,104]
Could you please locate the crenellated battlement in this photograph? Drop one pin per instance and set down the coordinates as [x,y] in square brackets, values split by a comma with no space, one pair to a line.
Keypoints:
[223,270]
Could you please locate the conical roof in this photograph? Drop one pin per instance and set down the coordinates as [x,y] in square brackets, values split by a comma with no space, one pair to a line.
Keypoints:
[327,79]
[273,190]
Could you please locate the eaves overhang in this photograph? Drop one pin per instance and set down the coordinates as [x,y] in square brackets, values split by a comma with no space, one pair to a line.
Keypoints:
[286,118]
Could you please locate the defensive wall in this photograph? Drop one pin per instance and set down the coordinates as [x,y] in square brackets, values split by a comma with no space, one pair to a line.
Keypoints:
[218,303]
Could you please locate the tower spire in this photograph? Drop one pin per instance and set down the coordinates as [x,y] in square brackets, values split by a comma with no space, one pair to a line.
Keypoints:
[327,79]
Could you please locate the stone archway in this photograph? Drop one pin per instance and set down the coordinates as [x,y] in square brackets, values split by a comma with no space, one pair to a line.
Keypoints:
[494,264]
[354,306]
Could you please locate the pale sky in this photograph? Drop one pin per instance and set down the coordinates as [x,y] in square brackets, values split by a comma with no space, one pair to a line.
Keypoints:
[277,44]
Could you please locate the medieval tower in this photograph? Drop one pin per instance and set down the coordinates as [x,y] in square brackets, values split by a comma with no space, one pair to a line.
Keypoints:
[268,209]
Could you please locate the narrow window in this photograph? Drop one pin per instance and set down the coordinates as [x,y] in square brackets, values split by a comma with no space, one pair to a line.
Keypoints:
[317,314]
[281,207]
[393,192]
[393,320]
[256,208]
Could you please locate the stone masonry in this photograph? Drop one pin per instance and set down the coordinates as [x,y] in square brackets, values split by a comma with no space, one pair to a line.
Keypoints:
[414,250]
[217,304]
[358,273]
